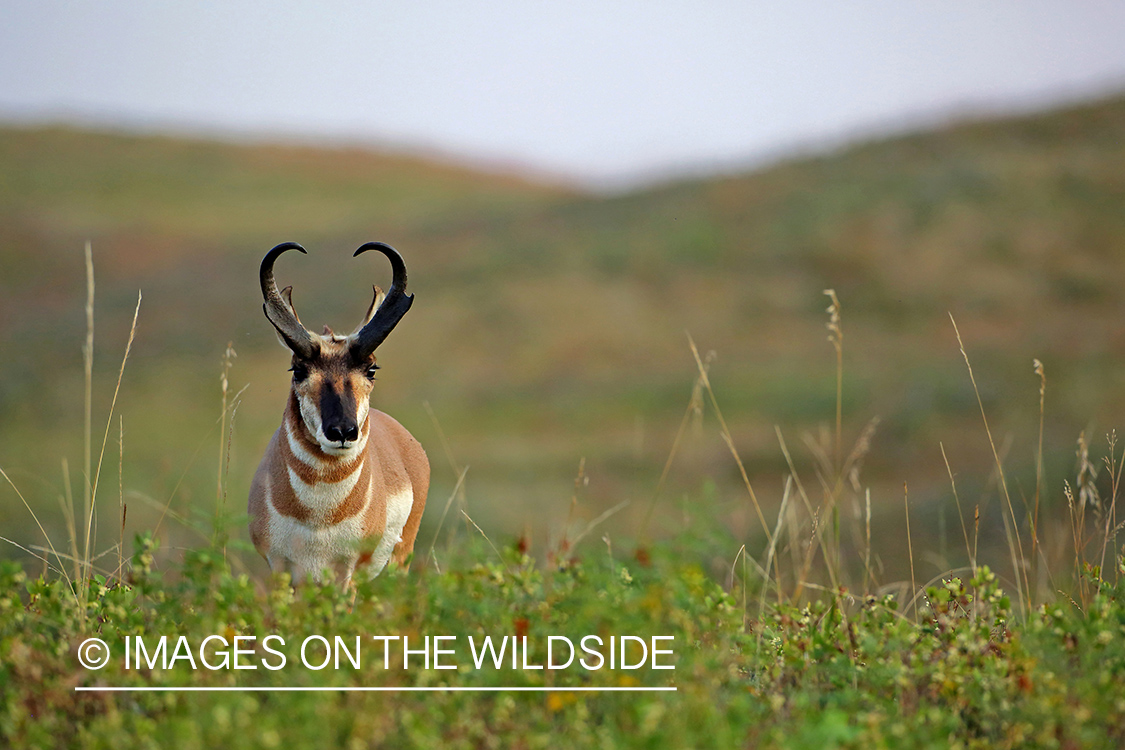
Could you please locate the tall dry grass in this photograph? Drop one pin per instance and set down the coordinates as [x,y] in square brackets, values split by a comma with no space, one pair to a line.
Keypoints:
[82,561]
[809,530]
[78,561]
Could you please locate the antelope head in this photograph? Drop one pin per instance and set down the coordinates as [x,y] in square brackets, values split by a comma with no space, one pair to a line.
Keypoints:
[333,374]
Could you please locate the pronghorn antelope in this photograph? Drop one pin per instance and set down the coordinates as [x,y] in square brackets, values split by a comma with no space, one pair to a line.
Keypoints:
[341,486]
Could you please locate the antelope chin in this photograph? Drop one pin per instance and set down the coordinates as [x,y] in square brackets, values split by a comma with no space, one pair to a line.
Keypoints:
[339,449]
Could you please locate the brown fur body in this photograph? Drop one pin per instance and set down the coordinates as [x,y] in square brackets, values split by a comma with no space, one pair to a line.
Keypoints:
[314,507]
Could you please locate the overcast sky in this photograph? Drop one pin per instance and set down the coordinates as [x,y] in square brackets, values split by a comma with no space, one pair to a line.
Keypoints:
[607,92]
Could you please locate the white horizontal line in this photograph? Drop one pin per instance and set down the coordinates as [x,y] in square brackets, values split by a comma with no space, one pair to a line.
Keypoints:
[355,689]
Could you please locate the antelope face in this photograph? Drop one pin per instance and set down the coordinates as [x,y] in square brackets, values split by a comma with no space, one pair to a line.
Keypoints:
[333,374]
[333,391]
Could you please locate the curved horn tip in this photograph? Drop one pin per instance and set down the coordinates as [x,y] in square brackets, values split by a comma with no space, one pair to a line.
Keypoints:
[290,246]
[265,271]
[373,246]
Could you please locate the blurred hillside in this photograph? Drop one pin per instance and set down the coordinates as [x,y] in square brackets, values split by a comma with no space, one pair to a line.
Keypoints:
[549,325]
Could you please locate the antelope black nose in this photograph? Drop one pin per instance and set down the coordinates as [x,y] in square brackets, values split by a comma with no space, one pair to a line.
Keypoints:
[339,433]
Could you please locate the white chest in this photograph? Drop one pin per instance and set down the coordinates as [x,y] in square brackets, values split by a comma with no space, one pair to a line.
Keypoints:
[308,548]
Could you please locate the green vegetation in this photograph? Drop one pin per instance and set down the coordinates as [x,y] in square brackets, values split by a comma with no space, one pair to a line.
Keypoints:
[837,673]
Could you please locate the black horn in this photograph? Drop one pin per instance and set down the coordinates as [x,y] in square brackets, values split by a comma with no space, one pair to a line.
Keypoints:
[280,312]
[395,304]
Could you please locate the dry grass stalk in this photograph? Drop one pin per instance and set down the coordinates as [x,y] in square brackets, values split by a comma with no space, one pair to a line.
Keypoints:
[692,408]
[1077,516]
[836,337]
[1038,367]
[66,500]
[445,512]
[225,469]
[109,422]
[59,558]
[453,463]
[1015,551]
[741,553]
[1110,514]
[121,494]
[844,476]
[867,575]
[224,383]
[88,368]
[965,532]
[599,520]
[490,544]
[910,548]
[727,438]
[817,538]
[771,557]
[166,508]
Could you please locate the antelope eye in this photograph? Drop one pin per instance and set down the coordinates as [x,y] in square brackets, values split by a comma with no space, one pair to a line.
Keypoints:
[300,372]
[370,372]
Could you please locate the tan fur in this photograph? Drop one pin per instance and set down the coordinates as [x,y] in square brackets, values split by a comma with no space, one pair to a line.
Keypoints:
[392,464]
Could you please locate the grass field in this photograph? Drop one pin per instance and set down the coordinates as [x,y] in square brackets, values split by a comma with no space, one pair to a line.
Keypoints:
[844,671]
[792,509]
